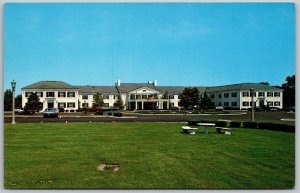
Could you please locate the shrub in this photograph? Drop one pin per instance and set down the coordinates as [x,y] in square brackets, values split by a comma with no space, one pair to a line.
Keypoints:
[249,124]
[109,113]
[221,123]
[118,114]
[235,124]
[289,128]
[270,126]
[207,121]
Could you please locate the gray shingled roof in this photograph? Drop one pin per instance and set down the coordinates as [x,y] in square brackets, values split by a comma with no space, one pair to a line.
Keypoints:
[94,89]
[177,89]
[241,86]
[50,85]
[127,87]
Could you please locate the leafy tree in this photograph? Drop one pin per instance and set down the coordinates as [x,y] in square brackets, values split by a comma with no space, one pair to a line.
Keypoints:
[98,100]
[265,83]
[33,104]
[189,98]
[18,101]
[205,103]
[119,103]
[8,100]
[289,91]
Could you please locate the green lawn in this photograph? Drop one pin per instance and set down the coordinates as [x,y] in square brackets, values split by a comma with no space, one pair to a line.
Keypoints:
[150,155]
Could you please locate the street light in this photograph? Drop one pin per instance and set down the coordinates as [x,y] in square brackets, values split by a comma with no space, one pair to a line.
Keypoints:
[252,105]
[13,86]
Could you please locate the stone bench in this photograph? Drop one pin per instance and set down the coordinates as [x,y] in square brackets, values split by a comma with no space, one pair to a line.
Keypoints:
[188,129]
[227,130]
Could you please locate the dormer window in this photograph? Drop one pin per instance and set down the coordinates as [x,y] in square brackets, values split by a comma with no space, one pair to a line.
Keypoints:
[144,90]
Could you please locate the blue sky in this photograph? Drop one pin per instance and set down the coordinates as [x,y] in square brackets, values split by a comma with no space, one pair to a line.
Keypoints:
[178,44]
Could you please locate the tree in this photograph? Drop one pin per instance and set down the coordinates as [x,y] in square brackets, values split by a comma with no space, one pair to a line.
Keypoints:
[98,100]
[8,100]
[33,104]
[18,101]
[119,103]
[205,103]
[189,98]
[265,83]
[289,91]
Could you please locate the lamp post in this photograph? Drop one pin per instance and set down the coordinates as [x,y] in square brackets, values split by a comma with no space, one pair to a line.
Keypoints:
[13,86]
[252,105]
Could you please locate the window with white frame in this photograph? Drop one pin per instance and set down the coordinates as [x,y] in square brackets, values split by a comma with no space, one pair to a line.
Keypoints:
[254,94]
[226,104]
[269,94]
[277,103]
[276,94]
[171,96]
[85,97]
[245,94]
[105,96]
[39,94]
[71,94]
[27,94]
[245,104]
[220,95]
[61,105]
[270,104]
[61,94]
[234,104]
[219,103]
[71,105]
[226,95]
[85,105]
[50,94]
[261,94]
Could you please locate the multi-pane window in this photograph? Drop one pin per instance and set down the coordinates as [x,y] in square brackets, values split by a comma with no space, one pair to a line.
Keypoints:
[171,96]
[39,94]
[144,96]
[277,103]
[71,94]
[234,94]
[71,105]
[270,103]
[226,104]
[250,103]
[132,97]
[212,96]
[234,104]
[138,96]
[27,94]
[220,95]
[245,104]
[219,104]
[61,94]
[105,104]
[226,95]
[276,94]
[171,104]
[61,105]
[50,94]
[105,96]
[261,94]
[269,94]
[245,94]
[85,97]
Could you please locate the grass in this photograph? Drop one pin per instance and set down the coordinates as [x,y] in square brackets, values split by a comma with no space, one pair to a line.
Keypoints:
[150,155]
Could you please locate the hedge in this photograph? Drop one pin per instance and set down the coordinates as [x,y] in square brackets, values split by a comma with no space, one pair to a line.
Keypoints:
[249,124]
[221,123]
[118,114]
[235,124]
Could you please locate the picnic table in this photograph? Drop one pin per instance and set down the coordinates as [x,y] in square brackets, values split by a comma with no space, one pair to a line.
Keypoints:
[206,125]
[188,129]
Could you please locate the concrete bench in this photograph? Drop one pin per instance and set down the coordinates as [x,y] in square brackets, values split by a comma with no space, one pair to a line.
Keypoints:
[188,129]
[227,130]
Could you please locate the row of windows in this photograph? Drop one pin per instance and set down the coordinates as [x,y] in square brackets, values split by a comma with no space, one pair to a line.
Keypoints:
[262,94]
[64,105]
[226,95]
[226,104]
[85,97]
[271,104]
[51,94]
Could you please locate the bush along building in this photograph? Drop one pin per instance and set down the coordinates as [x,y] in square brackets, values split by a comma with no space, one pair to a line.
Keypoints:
[148,96]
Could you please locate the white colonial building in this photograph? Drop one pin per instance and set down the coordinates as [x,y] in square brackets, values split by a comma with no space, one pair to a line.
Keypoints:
[144,96]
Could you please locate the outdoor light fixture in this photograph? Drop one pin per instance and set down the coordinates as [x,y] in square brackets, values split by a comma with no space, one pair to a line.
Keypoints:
[252,105]
[13,86]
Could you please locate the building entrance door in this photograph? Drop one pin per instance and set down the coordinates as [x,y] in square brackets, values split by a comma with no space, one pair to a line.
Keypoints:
[50,105]
[261,103]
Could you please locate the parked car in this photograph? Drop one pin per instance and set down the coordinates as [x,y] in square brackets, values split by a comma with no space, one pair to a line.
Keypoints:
[96,109]
[50,112]
[219,108]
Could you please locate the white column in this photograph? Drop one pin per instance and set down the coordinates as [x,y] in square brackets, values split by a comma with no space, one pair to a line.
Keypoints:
[142,105]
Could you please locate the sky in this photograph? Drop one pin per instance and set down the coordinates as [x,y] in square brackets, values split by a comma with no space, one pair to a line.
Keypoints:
[177,44]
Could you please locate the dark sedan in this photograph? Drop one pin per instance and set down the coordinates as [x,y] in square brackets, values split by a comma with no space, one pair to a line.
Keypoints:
[50,112]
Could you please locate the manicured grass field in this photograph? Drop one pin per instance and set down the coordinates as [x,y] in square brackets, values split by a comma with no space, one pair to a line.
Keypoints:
[150,155]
